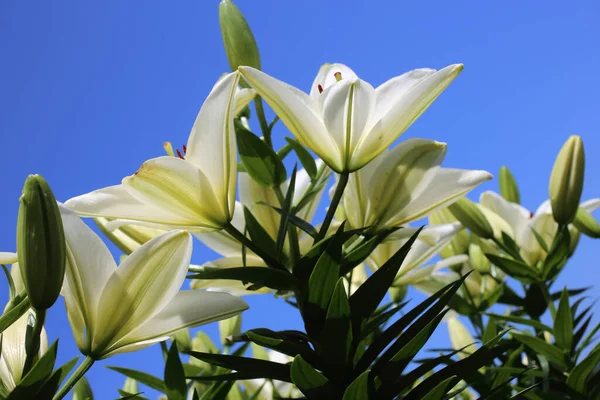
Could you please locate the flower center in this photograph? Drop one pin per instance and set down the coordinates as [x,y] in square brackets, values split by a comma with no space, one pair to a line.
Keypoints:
[169,149]
[336,75]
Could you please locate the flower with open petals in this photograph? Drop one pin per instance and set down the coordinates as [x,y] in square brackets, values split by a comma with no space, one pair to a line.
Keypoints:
[115,310]
[404,185]
[344,119]
[195,192]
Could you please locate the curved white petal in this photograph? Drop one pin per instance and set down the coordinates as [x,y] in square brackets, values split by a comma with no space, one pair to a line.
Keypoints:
[220,241]
[297,111]
[590,205]
[8,258]
[404,112]
[461,338]
[516,215]
[89,266]
[142,286]
[417,275]
[189,308]
[251,195]
[179,187]
[445,188]
[117,203]
[242,98]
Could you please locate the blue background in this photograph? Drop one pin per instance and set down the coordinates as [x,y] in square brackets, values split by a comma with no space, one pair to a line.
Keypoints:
[89,90]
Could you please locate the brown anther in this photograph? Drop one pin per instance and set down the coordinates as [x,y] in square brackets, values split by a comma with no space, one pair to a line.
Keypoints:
[180,155]
[530,214]
[184,149]
[338,76]
[320,88]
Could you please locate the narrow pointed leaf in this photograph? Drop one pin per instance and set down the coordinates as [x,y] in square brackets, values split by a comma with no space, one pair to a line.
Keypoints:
[307,161]
[554,354]
[326,273]
[563,323]
[260,161]
[363,251]
[259,276]
[306,377]
[286,209]
[142,377]
[296,221]
[360,389]
[583,370]
[514,268]
[35,379]
[258,234]
[175,385]
[522,321]
[58,376]
[268,369]
[336,337]
[10,316]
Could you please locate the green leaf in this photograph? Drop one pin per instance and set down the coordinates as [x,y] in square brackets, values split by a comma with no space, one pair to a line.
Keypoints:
[326,273]
[552,353]
[308,162]
[11,283]
[175,385]
[540,240]
[360,389]
[82,390]
[368,296]
[259,276]
[19,309]
[439,392]
[535,301]
[523,321]
[490,331]
[35,379]
[563,323]
[516,269]
[260,160]
[305,376]
[286,209]
[439,300]
[142,377]
[380,319]
[336,337]
[279,342]
[583,370]
[558,254]
[359,254]
[52,384]
[511,246]
[245,365]
[296,221]
[257,233]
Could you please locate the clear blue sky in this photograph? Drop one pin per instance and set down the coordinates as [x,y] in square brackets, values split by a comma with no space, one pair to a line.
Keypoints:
[89,90]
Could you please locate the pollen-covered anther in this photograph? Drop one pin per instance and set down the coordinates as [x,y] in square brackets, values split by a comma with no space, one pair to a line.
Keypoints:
[169,149]
[180,155]
[338,76]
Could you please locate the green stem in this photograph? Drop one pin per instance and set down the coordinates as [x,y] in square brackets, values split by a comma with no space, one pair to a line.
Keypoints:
[164,349]
[74,378]
[264,127]
[240,237]
[33,344]
[548,299]
[291,229]
[335,201]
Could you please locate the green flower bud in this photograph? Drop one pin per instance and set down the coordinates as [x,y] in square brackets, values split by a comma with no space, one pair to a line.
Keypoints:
[82,390]
[229,327]
[467,213]
[477,257]
[398,293]
[566,181]
[587,224]
[238,39]
[183,340]
[40,243]
[131,386]
[508,186]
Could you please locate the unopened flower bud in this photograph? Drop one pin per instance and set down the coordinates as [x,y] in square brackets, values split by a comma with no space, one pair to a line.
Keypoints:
[566,181]
[82,390]
[508,186]
[586,224]
[40,243]
[398,293]
[238,39]
[131,386]
[183,340]
[477,257]
[459,243]
[467,213]
[229,327]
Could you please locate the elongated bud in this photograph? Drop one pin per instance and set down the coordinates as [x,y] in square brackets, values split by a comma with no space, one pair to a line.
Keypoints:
[238,39]
[566,181]
[40,243]
[183,340]
[477,257]
[467,213]
[230,326]
[459,243]
[82,390]
[508,186]
[398,293]
[131,386]
[586,224]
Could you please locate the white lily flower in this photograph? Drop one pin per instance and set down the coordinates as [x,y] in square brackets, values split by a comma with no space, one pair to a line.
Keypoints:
[404,185]
[344,119]
[7,258]
[196,193]
[115,310]
[519,223]
[13,354]
[460,337]
[252,195]
[126,236]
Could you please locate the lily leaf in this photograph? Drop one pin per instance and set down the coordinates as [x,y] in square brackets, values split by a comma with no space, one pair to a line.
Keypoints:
[245,365]
[563,324]
[308,162]
[142,377]
[260,161]
[552,353]
[175,385]
[32,383]
[516,269]
[259,276]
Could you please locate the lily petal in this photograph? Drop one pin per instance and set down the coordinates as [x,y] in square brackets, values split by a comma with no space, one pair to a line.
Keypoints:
[516,215]
[181,188]
[212,146]
[403,113]
[8,258]
[89,266]
[188,308]
[444,189]
[242,98]
[297,111]
[327,77]
[141,287]
[590,205]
